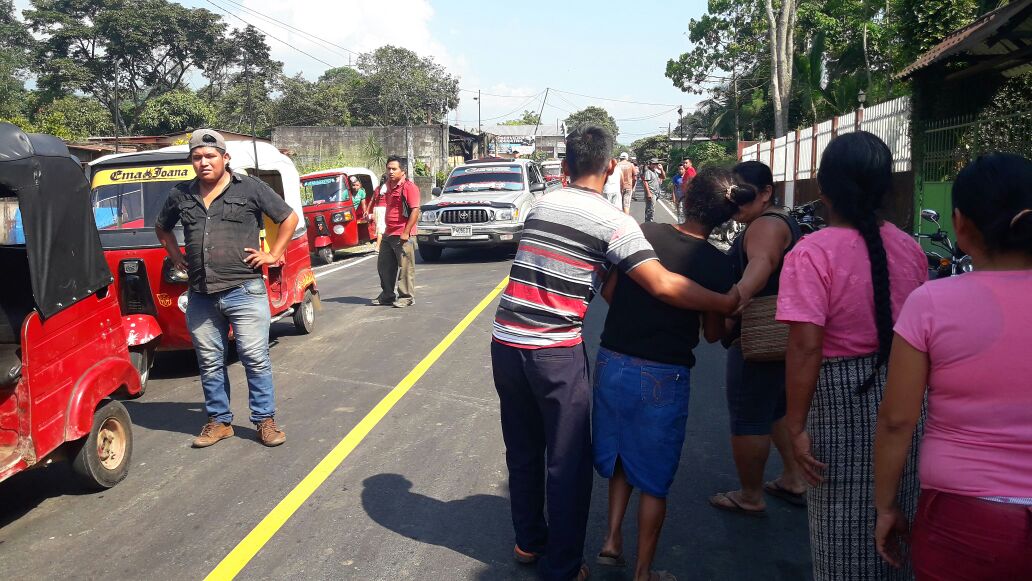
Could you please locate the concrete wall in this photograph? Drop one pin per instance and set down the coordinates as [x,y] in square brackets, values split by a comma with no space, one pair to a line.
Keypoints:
[315,144]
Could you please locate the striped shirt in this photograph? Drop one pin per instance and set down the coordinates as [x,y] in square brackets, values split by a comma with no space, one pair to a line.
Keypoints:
[571,239]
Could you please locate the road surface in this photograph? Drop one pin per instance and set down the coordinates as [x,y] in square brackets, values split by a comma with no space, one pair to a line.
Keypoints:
[421,490]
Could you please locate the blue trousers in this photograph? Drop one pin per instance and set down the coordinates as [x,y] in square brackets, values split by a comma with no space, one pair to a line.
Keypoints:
[545,401]
[209,317]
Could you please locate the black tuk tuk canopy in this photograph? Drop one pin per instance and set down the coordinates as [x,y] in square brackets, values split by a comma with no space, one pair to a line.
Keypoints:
[66,262]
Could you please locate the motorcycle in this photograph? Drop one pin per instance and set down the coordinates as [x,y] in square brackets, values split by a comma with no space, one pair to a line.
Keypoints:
[807,218]
[953,262]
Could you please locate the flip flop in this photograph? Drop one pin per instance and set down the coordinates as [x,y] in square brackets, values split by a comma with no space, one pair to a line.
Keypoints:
[735,507]
[611,560]
[775,489]
[523,557]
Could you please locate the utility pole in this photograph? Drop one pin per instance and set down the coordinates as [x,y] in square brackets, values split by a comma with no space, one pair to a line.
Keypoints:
[480,128]
[680,122]
[116,105]
[250,109]
[542,112]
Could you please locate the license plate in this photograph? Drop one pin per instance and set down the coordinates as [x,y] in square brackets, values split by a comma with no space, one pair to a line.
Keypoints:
[461,231]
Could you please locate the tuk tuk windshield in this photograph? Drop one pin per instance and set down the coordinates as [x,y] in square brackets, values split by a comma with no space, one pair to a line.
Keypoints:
[324,191]
[129,206]
[11,232]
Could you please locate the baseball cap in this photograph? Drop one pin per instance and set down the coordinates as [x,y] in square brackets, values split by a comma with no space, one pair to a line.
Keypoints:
[653,160]
[207,138]
[624,155]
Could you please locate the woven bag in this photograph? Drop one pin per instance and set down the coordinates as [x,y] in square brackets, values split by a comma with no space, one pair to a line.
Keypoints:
[763,338]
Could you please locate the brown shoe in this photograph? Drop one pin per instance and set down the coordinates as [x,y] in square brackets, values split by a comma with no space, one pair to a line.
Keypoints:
[212,432]
[269,434]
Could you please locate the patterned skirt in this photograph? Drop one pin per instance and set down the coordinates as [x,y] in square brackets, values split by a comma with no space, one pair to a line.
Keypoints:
[842,423]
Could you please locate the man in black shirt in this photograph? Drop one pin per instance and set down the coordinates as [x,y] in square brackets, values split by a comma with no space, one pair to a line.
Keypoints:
[221,214]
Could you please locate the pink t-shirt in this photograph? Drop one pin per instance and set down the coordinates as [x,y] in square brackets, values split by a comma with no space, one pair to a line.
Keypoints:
[826,281]
[977,331]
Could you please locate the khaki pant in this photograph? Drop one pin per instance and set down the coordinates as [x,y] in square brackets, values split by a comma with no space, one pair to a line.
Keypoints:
[396,256]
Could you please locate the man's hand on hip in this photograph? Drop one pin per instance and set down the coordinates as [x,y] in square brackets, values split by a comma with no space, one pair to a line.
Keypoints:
[257,258]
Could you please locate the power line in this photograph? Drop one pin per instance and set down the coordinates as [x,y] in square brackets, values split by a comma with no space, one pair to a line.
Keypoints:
[648,116]
[517,110]
[500,96]
[309,55]
[615,100]
[284,24]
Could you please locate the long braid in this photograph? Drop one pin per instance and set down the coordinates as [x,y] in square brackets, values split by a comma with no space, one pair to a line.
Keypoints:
[868,227]
[856,173]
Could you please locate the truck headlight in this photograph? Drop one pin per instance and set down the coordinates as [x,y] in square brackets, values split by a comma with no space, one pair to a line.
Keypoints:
[507,215]
[428,216]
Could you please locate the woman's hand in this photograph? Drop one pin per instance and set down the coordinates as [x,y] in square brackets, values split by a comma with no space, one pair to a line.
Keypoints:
[802,446]
[891,529]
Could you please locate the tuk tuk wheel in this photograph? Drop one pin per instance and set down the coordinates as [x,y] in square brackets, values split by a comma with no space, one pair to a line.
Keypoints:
[304,314]
[142,358]
[103,458]
[325,254]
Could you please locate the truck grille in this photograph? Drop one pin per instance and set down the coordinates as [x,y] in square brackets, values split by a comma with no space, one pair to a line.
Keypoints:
[464,216]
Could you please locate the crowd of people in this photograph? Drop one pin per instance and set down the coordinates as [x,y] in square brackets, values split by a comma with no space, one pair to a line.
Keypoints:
[889,399]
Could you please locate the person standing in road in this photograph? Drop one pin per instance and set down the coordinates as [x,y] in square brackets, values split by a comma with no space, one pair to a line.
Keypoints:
[221,213]
[396,264]
[612,189]
[628,177]
[637,435]
[651,180]
[573,237]
[379,206]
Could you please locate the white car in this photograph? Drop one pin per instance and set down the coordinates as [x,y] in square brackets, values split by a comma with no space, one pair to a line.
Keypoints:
[484,203]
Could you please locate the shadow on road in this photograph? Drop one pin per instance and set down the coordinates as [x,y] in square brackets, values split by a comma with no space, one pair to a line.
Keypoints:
[23,492]
[347,300]
[181,417]
[477,526]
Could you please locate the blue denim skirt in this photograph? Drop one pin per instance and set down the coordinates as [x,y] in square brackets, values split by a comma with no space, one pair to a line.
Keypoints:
[639,416]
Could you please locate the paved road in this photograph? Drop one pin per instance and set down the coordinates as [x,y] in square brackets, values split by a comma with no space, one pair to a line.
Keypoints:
[422,496]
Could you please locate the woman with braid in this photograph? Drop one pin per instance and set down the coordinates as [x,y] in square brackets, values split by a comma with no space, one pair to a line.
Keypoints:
[840,291]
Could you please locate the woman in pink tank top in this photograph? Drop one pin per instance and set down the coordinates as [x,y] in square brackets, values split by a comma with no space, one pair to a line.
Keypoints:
[967,338]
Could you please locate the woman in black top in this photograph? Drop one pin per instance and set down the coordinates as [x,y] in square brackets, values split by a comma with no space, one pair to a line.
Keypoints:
[756,391]
[642,372]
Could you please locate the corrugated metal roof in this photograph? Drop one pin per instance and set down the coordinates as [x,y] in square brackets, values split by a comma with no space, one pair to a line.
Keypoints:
[977,39]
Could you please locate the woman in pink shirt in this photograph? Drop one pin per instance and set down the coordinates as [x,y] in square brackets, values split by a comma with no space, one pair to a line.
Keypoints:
[968,339]
[840,289]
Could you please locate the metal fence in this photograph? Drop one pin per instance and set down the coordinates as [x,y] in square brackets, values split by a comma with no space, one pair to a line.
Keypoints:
[949,144]
[797,156]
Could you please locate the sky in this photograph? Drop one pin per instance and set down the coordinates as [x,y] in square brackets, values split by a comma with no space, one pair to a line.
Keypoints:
[589,53]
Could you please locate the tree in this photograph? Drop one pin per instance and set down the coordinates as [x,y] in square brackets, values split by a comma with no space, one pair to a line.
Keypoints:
[244,76]
[401,87]
[781,30]
[74,118]
[924,23]
[14,43]
[646,148]
[127,51]
[593,116]
[174,112]
[528,118]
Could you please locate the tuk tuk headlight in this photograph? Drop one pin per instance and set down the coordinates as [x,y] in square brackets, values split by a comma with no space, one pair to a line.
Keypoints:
[182,301]
[337,218]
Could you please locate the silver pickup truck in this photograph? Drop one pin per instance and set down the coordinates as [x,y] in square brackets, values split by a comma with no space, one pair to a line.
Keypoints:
[484,203]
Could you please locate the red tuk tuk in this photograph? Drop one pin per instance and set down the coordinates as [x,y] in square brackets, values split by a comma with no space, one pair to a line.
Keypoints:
[129,191]
[333,219]
[63,352]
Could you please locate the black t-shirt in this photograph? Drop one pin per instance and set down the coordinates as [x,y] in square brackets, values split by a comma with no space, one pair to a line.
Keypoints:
[643,326]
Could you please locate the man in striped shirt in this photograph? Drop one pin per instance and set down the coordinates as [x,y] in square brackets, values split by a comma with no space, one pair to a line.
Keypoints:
[572,239]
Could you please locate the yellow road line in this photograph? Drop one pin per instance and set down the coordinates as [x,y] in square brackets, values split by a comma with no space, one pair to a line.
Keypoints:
[256,539]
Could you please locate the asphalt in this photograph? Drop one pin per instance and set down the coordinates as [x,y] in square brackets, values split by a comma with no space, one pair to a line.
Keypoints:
[422,496]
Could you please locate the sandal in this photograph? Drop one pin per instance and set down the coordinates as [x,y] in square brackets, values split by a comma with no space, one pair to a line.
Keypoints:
[661,576]
[584,572]
[775,489]
[611,560]
[523,557]
[735,506]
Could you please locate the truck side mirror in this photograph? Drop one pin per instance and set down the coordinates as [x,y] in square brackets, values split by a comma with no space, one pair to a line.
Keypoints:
[538,187]
[435,192]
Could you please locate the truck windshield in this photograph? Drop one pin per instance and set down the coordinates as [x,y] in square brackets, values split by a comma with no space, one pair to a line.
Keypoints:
[485,178]
[323,191]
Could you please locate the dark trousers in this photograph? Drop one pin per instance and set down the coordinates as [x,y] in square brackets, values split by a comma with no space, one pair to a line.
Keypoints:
[545,400]
[650,208]
[396,258]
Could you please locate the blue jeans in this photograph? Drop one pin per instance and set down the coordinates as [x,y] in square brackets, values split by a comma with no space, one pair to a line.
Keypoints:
[209,317]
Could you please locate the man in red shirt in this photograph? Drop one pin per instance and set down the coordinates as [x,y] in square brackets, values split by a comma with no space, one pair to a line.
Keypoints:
[401,217]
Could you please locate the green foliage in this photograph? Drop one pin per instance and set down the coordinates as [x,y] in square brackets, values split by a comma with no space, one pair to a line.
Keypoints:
[528,118]
[373,154]
[421,169]
[14,57]
[153,45]
[657,146]
[593,116]
[402,87]
[74,118]
[924,23]
[175,112]
[703,154]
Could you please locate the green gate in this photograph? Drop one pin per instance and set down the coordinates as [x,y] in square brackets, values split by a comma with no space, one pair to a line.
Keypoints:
[950,144]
